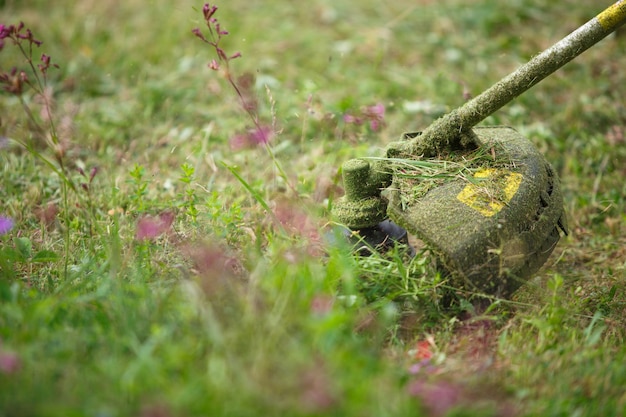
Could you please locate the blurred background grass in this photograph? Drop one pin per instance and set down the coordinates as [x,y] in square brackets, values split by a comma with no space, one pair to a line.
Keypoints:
[133,89]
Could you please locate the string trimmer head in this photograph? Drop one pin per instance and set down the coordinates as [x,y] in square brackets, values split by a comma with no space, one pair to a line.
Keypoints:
[484,199]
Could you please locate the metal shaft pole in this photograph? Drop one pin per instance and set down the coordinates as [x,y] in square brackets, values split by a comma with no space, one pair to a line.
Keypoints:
[451,128]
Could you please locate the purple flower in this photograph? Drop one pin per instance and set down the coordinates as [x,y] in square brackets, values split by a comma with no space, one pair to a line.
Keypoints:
[350,119]
[424,365]
[6,224]
[151,227]
[28,36]
[375,115]
[214,65]
[208,11]
[92,173]
[46,64]
[260,135]
[5,31]
[199,34]
[438,397]
[10,362]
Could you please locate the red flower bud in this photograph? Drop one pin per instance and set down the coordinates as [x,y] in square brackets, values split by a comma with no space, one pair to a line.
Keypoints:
[199,34]
[208,11]
[93,173]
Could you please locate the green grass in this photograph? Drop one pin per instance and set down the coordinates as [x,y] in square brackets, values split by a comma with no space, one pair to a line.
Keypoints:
[241,306]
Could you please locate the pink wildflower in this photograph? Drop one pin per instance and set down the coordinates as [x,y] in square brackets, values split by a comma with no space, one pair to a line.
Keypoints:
[251,138]
[151,227]
[9,362]
[375,115]
[438,398]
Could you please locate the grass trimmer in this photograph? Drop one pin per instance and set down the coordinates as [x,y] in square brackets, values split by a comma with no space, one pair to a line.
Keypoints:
[484,199]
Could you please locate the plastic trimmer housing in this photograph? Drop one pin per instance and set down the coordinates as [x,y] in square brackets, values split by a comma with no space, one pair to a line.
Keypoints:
[494,221]
[494,228]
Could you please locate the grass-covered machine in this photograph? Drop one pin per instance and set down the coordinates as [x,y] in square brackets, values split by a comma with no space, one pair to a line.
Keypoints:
[484,199]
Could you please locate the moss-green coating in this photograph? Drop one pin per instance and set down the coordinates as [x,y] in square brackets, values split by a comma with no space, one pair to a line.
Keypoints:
[356,180]
[446,133]
[489,253]
[361,214]
[363,179]
[363,206]
[454,130]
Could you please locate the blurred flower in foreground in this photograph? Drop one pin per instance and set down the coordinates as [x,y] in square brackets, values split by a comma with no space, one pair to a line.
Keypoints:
[9,362]
[216,268]
[437,397]
[317,393]
[423,354]
[6,224]
[254,137]
[322,304]
[151,227]
[296,222]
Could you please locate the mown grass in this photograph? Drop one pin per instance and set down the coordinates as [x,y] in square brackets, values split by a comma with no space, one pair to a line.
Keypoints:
[234,310]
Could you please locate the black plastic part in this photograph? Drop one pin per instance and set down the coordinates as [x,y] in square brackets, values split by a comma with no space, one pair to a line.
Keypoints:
[380,238]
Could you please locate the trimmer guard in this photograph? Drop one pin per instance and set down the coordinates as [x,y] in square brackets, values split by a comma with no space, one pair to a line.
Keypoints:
[490,246]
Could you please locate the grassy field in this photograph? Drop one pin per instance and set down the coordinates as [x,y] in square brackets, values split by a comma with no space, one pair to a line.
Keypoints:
[161,257]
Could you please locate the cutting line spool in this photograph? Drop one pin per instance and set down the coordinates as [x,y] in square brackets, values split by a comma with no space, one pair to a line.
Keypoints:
[486,244]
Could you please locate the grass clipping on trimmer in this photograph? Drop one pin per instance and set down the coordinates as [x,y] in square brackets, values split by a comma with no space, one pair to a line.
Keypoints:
[482,168]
